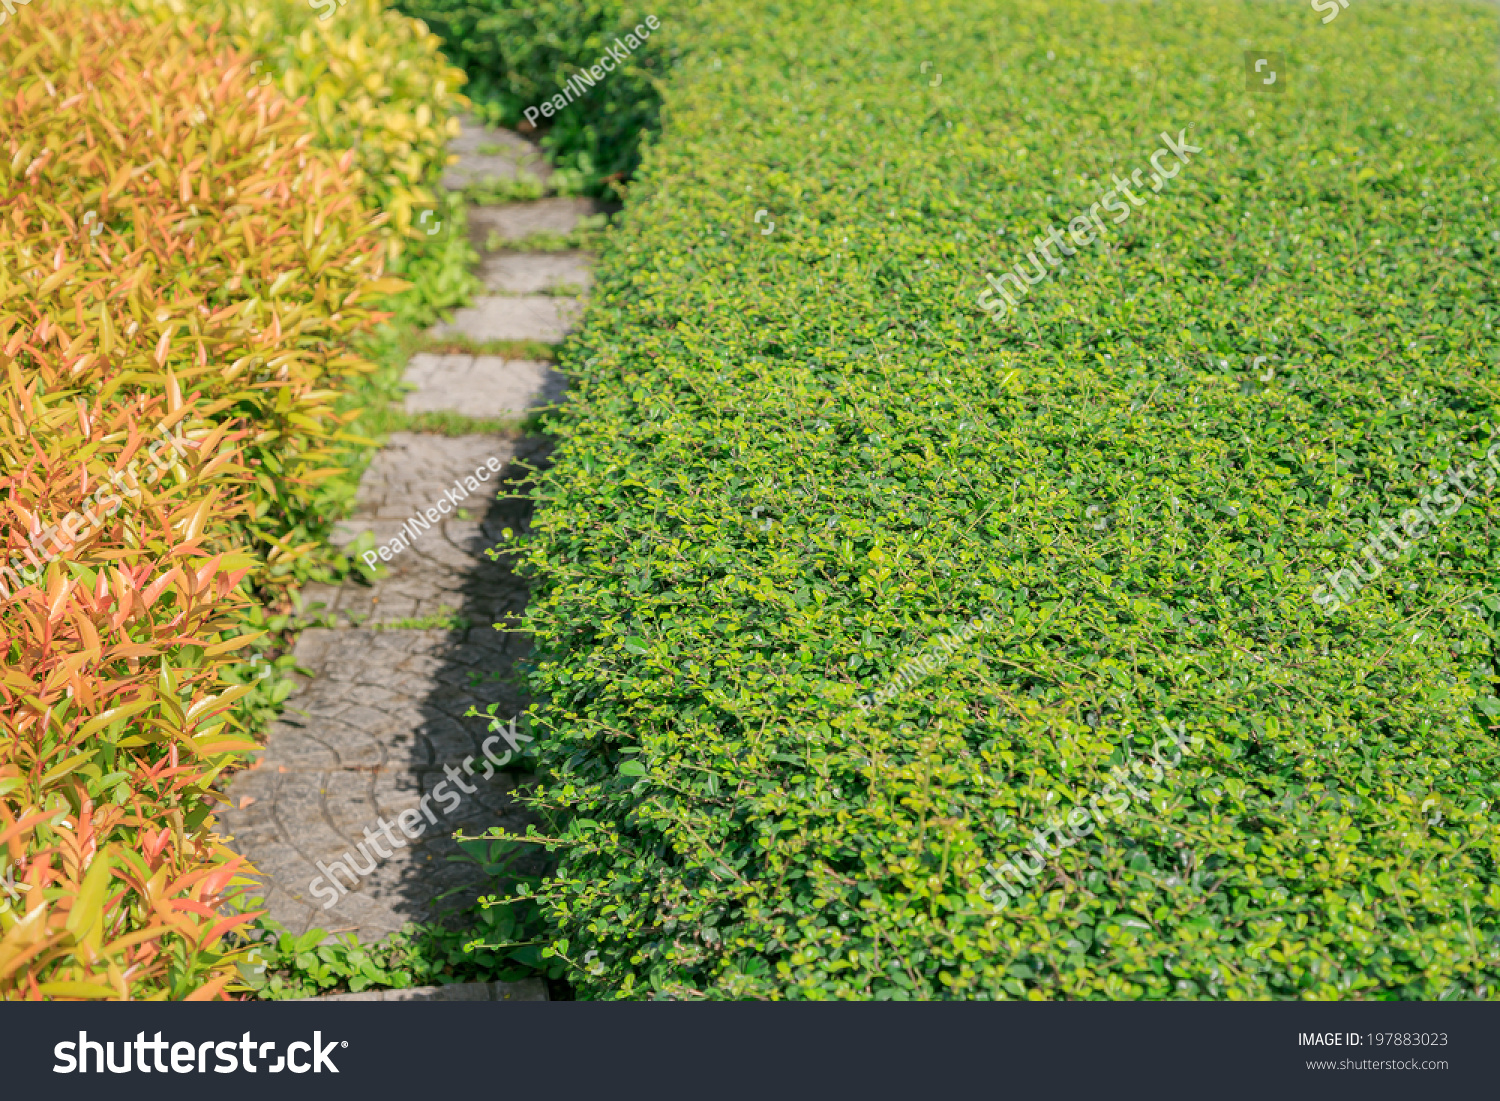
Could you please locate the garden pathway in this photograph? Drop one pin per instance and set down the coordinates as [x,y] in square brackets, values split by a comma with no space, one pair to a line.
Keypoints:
[399,663]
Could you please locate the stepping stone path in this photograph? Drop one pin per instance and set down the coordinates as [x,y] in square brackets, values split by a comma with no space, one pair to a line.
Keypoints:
[399,663]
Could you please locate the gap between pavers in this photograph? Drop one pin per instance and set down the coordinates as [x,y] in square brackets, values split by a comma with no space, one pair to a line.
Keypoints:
[515,221]
[512,156]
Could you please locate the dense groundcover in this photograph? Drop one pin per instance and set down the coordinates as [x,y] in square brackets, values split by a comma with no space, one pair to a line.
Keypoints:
[796,460]
[518,53]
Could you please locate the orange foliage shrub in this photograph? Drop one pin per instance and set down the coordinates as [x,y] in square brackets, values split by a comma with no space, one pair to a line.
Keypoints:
[174,258]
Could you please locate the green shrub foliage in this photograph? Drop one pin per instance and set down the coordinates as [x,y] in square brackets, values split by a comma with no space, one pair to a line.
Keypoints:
[518,55]
[798,453]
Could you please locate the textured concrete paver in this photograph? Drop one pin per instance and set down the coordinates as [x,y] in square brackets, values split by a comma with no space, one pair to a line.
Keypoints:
[384,716]
[377,730]
[443,565]
[527,990]
[532,317]
[486,154]
[481,386]
[535,272]
[514,221]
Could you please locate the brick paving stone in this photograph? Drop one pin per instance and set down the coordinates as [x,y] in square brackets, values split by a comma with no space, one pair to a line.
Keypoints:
[537,272]
[320,783]
[514,221]
[445,566]
[529,317]
[515,156]
[481,386]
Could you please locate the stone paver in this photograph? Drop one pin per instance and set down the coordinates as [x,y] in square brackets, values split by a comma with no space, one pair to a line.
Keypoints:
[506,156]
[383,716]
[527,990]
[536,272]
[445,565]
[481,386]
[380,725]
[530,317]
[514,221]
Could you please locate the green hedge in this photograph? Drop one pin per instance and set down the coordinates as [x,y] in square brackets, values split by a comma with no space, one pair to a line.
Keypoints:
[794,459]
[518,55]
